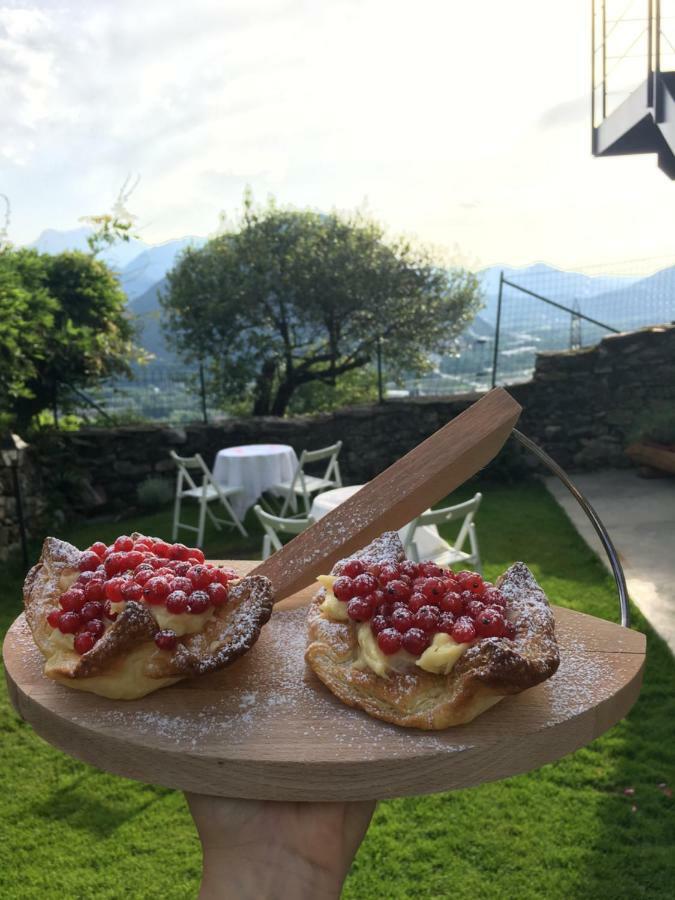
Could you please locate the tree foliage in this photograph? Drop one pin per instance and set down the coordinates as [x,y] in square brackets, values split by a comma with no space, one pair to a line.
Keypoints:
[290,298]
[63,326]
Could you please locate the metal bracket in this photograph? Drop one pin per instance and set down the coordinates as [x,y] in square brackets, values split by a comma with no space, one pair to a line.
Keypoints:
[595,520]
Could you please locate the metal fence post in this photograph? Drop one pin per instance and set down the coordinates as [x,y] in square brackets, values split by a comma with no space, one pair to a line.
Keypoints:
[497,327]
[202,388]
[380,392]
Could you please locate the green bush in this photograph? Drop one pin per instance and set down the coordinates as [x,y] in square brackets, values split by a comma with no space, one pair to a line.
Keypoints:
[154,492]
[656,424]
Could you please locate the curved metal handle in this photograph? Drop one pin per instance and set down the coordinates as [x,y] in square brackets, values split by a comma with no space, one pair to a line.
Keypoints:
[595,520]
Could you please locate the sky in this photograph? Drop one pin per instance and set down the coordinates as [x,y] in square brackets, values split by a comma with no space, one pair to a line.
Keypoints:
[462,124]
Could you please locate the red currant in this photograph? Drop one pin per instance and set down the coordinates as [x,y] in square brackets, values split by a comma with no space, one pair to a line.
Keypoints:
[217,593]
[225,576]
[166,639]
[200,576]
[83,642]
[490,623]
[142,576]
[161,548]
[113,589]
[493,597]
[430,570]
[53,617]
[96,627]
[134,559]
[123,544]
[464,630]
[182,568]
[198,602]
[402,619]
[386,610]
[397,590]
[131,590]
[417,601]
[474,608]
[72,600]
[389,641]
[427,618]
[388,573]
[93,609]
[155,590]
[353,567]
[115,563]
[196,554]
[359,609]
[69,622]
[177,602]
[409,568]
[378,624]
[446,623]
[343,588]
[451,603]
[433,588]
[99,549]
[88,561]
[364,584]
[415,641]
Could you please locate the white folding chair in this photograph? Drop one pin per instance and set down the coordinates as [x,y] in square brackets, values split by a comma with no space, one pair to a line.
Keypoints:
[453,552]
[304,485]
[204,493]
[274,526]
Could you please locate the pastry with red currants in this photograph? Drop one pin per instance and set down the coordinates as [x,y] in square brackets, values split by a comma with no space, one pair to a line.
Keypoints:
[125,619]
[423,646]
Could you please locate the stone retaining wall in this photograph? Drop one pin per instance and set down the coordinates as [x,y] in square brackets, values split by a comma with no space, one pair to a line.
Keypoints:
[580,406]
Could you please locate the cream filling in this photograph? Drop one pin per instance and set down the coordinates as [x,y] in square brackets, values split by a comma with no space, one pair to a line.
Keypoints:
[441,655]
[439,658]
[126,679]
[332,608]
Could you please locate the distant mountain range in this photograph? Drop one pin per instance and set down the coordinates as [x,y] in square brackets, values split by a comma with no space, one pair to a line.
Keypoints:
[622,302]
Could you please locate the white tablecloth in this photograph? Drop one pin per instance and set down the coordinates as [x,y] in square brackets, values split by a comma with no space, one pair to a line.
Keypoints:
[254,468]
[428,540]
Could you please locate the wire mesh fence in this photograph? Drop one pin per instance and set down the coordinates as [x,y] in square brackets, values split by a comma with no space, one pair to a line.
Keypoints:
[541,309]
[547,309]
[168,393]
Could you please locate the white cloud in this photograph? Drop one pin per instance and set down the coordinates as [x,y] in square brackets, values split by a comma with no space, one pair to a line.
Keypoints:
[432,110]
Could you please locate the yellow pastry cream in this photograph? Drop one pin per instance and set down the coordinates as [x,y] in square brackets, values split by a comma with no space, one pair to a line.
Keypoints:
[126,677]
[439,658]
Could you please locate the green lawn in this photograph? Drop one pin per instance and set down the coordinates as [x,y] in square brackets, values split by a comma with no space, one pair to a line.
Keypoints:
[566,831]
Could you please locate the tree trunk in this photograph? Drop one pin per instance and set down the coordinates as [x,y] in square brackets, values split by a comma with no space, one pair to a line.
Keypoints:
[263,388]
[283,397]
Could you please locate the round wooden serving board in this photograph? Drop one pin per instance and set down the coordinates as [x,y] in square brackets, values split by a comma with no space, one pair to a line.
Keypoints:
[266,728]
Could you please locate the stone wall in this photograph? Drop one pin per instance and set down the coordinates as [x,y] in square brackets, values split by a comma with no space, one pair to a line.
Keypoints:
[579,405]
[26,484]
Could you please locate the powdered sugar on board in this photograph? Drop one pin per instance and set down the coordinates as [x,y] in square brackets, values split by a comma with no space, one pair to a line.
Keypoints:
[269,705]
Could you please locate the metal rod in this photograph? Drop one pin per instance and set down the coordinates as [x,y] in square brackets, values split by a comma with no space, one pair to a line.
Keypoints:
[202,387]
[19,513]
[495,353]
[560,306]
[658,93]
[650,50]
[604,60]
[90,401]
[380,392]
[593,77]
[594,518]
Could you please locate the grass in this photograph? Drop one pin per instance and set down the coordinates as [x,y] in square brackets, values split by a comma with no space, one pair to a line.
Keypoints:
[563,832]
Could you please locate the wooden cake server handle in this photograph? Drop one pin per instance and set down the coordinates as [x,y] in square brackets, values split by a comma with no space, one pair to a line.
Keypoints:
[398,495]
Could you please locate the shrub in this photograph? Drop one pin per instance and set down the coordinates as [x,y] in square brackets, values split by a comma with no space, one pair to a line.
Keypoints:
[154,492]
[656,424]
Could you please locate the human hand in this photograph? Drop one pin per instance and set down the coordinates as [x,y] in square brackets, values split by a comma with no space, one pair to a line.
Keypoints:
[276,851]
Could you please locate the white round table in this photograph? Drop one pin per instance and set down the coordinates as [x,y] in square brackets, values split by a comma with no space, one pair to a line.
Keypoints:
[429,542]
[254,468]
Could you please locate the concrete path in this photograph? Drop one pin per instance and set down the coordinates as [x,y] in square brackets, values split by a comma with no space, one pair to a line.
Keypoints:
[639,514]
